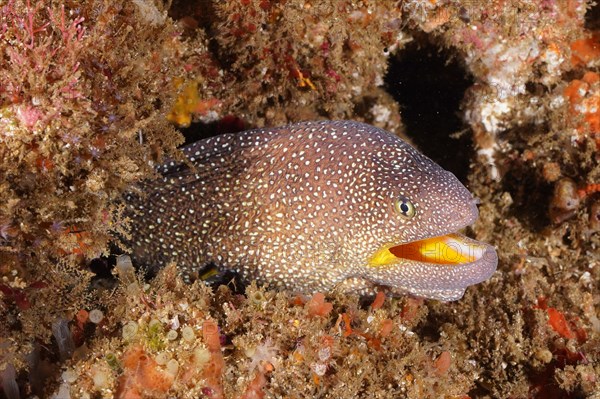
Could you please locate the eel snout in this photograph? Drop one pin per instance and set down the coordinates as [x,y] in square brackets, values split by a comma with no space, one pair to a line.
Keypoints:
[442,264]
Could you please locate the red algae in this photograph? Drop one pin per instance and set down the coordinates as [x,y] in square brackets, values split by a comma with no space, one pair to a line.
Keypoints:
[378,301]
[559,324]
[442,363]
[141,375]
[586,51]
[213,371]
[317,306]
[255,388]
[386,328]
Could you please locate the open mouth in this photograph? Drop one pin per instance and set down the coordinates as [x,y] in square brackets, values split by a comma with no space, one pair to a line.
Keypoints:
[450,249]
[438,267]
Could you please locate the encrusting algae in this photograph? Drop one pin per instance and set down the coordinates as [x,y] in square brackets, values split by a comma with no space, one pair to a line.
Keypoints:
[94,94]
[273,343]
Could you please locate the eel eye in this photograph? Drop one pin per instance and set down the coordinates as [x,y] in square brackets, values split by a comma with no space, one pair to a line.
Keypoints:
[405,208]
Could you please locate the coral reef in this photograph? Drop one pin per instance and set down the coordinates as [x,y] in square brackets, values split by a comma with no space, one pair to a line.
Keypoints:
[302,65]
[175,338]
[91,96]
[79,120]
[79,123]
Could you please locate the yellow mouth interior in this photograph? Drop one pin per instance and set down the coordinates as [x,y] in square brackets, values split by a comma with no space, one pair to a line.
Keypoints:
[451,249]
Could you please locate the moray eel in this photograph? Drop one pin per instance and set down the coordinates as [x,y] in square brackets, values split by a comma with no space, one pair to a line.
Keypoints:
[313,206]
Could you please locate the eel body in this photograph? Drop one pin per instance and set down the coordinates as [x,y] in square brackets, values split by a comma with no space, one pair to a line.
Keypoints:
[314,206]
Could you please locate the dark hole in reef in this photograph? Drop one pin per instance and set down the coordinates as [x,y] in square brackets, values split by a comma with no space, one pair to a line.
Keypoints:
[102,267]
[192,13]
[429,85]
[199,131]
[567,238]
[530,195]
[592,16]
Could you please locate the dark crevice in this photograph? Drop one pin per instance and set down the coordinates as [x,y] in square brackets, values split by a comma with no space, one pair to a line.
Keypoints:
[592,16]
[198,131]
[193,15]
[429,85]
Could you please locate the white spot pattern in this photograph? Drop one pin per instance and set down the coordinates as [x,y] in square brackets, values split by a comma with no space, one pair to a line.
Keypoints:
[302,207]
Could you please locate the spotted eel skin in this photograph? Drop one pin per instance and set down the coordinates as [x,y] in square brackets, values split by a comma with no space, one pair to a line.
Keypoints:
[313,206]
